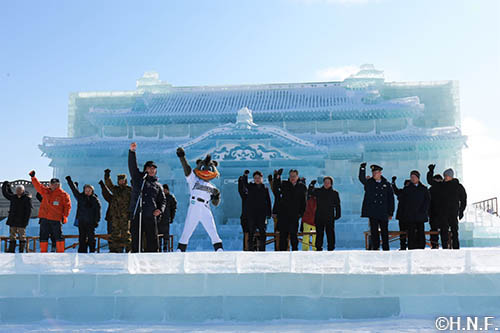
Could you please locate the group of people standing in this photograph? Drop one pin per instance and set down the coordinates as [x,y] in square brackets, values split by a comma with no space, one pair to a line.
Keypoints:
[442,205]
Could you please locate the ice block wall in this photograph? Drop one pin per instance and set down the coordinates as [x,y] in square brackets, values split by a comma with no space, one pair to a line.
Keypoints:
[241,286]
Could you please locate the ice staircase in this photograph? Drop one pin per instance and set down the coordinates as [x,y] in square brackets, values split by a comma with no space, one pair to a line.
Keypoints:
[244,286]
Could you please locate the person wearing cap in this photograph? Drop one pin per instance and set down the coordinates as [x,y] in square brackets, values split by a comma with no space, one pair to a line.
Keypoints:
[378,205]
[19,215]
[119,212]
[436,213]
[242,180]
[53,213]
[153,202]
[454,203]
[415,211]
[167,218]
[88,215]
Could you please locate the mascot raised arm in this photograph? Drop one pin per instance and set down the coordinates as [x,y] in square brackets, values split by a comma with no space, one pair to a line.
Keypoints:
[201,194]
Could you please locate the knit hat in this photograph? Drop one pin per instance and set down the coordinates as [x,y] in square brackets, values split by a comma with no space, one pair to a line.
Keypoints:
[122,176]
[416,173]
[449,172]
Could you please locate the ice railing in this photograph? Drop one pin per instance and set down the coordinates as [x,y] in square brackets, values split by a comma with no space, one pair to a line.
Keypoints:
[484,224]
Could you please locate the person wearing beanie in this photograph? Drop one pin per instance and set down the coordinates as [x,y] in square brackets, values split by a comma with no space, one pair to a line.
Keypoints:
[436,213]
[167,218]
[453,205]
[415,211]
[118,212]
[403,225]
[378,205]
[145,185]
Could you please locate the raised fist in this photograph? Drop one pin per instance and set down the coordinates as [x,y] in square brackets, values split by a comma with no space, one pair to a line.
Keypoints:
[68,178]
[32,173]
[313,182]
[363,165]
[246,172]
[5,183]
[180,152]
[133,146]
[431,167]
[394,178]
[280,171]
[270,178]
[107,172]
[101,183]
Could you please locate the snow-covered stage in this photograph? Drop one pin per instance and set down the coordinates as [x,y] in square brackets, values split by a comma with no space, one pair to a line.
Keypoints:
[244,286]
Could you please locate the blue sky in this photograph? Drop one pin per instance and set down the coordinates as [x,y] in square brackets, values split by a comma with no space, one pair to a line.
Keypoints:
[51,48]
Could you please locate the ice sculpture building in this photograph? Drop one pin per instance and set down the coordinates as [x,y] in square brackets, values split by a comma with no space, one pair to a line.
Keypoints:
[320,128]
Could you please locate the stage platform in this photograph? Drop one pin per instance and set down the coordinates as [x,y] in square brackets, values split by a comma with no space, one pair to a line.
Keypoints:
[243,286]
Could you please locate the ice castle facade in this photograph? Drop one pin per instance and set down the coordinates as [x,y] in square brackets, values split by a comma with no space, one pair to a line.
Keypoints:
[320,128]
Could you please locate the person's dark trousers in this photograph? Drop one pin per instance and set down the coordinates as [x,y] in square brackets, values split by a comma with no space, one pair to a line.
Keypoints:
[164,229]
[150,233]
[403,227]
[453,225]
[435,224]
[254,223]
[289,228]
[86,236]
[416,235]
[52,229]
[375,224]
[321,227]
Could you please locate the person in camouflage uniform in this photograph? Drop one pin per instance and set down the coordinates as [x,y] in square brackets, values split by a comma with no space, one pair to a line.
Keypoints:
[119,215]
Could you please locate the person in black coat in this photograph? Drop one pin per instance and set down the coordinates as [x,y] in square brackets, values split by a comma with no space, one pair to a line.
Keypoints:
[378,205]
[108,196]
[167,218]
[436,216]
[243,217]
[19,215]
[291,207]
[258,208]
[403,225]
[327,211]
[153,202]
[415,210]
[88,215]
[454,203]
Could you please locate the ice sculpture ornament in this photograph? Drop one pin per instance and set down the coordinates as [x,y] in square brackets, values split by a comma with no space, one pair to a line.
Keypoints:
[201,193]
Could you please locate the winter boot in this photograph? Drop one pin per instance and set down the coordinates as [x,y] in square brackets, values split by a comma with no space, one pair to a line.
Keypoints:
[12,246]
[60,246]
[218,247]
[22,246]
[44,246]
[181,247]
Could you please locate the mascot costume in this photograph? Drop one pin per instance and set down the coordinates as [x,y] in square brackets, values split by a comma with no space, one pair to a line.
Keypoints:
[201,193]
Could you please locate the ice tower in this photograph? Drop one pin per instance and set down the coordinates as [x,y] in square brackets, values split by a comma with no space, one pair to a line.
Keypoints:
[320,128]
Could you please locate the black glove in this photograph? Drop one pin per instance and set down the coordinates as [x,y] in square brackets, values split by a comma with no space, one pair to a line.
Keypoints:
[180,152]
[363,165]
[5,183]
[215,194]
[394,179]
[460,215]
[68,178]
[76,184]
[101,183]
[270,178]
[107,172]
[32,173]
[431,167]
[246,172]
[313,182]
[280,171]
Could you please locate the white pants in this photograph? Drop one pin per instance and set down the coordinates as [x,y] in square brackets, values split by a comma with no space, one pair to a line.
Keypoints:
[199,212]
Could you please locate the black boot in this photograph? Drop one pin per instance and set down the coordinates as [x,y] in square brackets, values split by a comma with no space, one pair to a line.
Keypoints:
[12,247]
[181,247]
[218,247]
[22,246]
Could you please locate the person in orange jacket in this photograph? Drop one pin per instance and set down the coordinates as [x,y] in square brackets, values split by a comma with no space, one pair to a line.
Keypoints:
[54,211]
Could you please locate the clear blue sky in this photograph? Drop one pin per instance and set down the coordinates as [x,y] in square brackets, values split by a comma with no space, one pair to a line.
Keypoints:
[51,48]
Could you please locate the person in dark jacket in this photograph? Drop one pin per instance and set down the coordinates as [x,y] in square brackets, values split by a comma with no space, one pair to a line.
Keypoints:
[108,197]
[243,217]
[88,215]
[19,215]
[152,204]
[454,203]
[167,218]
[436,216]
[291,207]
[258,208]
[415,210]
[378,205]
[327,212]
[403,225]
